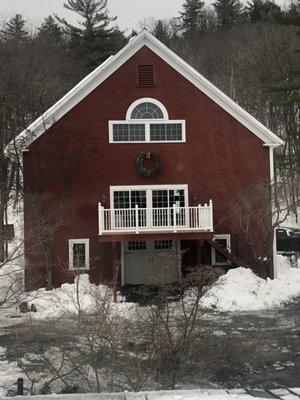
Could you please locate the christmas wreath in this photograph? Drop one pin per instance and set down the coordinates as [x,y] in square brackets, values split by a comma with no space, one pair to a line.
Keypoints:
[148,173]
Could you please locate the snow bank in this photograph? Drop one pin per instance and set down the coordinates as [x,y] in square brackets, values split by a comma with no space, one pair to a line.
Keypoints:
[78,296]
[241,290]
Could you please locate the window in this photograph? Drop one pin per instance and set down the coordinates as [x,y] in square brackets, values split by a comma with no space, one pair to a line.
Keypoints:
[216,257]
[145,75]
[163,244]
[165,132]
[129,133]
[147,120]
[136,245]
[79,257]
[147,111]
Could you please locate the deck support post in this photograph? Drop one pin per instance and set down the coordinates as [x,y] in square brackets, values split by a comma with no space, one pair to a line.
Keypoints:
[199,252]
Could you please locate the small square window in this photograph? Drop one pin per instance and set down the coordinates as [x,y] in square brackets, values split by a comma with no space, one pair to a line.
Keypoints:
[79,254]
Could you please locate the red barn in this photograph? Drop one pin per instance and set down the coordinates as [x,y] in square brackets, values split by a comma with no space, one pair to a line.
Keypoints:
[138,166]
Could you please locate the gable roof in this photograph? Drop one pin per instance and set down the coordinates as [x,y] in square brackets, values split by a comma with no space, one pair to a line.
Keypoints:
[96,77]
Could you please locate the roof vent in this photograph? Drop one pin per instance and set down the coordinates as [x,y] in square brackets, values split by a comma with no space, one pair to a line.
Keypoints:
[145,75]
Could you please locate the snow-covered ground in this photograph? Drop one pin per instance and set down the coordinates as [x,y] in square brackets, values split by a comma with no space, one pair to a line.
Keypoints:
[241,394]
[239,290]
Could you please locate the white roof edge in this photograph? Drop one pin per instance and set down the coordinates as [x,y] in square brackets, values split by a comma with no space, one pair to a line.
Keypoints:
[96,77]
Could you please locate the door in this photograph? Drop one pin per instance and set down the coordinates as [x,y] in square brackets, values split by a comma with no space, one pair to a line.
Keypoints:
[163,201]
[125,202]
[154,206]
[151,262]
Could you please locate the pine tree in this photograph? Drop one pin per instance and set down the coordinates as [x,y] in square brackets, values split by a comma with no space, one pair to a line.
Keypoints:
[191,17]
[228,12]
[162,32]
[50,31]
[263,10]
[93,39]
[14,29]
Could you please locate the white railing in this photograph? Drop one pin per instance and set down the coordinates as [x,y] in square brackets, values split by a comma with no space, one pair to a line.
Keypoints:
[138,220]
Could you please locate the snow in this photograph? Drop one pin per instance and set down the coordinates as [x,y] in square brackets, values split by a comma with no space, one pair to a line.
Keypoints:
[71,298]
[170,395]
[241,290]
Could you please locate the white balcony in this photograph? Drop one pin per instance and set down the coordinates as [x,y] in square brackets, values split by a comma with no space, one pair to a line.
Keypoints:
[150,220]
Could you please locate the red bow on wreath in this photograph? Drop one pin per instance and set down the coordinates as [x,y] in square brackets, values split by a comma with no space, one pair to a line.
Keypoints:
[148,155]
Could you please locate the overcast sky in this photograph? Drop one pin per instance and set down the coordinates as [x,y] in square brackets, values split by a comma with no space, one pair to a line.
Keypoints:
[129,12]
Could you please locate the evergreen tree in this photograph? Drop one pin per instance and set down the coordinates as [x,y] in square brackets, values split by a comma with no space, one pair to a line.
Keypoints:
[94,39]
[263,10]
[191,17]
[228,12]
[50,31]
[162,32]
[14,29]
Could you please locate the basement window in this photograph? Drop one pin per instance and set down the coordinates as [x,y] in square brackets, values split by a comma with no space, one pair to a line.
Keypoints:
[79,257]
[145,75]
[216,257]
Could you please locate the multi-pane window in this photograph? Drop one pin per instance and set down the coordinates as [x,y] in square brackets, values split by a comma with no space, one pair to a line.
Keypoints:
[147,111]
[147,120]
[128,132]
[129,199]
[163,244]
[165,132]
[136,245]
[167,198]
[79,254]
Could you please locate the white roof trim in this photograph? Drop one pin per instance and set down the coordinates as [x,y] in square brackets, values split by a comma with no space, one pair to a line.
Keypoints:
[95,78]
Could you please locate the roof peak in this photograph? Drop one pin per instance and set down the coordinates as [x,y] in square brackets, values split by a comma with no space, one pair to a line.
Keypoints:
[102,72]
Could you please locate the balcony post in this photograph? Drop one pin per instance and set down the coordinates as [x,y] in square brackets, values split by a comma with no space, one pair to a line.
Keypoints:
[100,218]
[211,215]
[136,218]
[174,218]
[199,216]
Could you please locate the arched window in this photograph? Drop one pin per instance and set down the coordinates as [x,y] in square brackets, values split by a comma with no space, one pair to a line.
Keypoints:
[147,120]
[147,110]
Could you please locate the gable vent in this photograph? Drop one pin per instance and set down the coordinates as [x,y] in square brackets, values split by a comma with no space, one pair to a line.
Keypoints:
[145,75]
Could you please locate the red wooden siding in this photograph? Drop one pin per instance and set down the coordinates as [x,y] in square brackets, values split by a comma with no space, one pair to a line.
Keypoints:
[219,159]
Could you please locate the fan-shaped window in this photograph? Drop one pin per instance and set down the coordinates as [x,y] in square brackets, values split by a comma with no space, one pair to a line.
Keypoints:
[147,111]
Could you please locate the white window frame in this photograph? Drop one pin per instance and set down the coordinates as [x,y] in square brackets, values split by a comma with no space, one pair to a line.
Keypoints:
[227,237]
[148,190]
[147,100]
[147,123]
[86,242]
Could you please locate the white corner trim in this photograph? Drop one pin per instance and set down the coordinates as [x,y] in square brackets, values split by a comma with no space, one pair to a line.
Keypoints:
[272,181]
[147,100]
[86,242]
[101,73]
